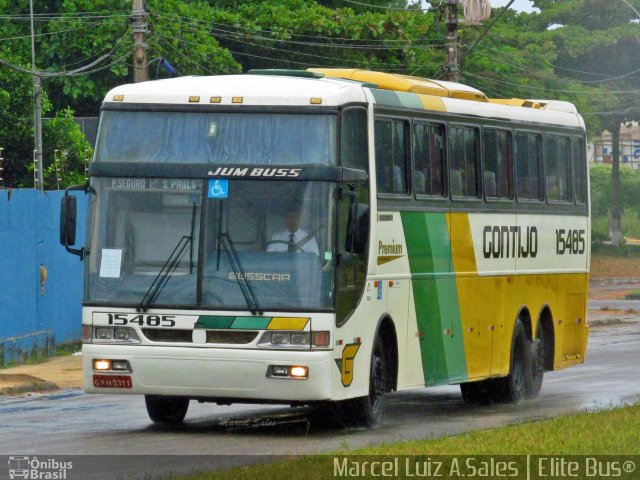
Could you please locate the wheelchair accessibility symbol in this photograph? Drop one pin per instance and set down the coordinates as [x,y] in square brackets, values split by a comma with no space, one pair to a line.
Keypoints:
[218,188]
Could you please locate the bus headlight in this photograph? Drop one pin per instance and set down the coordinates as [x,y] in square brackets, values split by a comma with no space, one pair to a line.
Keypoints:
[294,340]
[300,338]
[115,335]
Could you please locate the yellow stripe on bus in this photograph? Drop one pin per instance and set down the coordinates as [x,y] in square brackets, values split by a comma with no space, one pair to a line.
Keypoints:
[489,306]
[288,323]
[430,102]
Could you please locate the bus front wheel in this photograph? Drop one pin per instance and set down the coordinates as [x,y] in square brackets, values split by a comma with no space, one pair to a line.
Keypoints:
[367,411]
[166,410]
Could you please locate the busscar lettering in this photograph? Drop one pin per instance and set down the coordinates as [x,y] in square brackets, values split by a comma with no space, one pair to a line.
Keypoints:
[502,241]
[255,172]
[261,277]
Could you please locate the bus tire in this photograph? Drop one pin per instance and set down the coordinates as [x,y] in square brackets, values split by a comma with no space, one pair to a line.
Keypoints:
[512,388]
[367,411]
[477,393]
[166,410]
[536,364]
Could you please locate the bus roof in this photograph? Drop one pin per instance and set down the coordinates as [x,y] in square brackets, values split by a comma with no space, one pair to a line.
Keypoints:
[335,87]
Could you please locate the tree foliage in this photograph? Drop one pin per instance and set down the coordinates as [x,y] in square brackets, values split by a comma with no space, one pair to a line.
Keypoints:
[582,51]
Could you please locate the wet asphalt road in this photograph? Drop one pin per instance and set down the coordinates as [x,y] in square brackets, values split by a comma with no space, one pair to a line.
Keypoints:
[72,423]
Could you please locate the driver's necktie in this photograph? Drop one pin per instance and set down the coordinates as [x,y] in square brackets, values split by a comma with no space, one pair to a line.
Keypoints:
[291,247]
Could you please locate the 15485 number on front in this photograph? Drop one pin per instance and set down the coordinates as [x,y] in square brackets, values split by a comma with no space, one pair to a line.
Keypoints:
[142,320]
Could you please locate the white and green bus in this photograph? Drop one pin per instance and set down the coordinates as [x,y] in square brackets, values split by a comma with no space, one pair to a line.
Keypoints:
[329,236]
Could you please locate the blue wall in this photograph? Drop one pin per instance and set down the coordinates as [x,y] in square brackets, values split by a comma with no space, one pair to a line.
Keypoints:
[34,319]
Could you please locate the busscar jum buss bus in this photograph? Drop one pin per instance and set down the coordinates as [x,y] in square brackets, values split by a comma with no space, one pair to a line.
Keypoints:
[441,238]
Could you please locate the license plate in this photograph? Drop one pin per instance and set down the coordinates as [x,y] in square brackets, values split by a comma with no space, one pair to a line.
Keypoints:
[112,381]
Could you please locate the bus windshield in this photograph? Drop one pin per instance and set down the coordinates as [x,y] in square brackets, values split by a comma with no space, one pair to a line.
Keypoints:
[272,237]
[219,138]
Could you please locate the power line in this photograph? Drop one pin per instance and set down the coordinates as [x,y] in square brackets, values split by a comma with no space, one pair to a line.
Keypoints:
[195,22]
[546,89]
[22,37]
[44,74]
[264,57]
[45,17]
[486,31]
[384,7]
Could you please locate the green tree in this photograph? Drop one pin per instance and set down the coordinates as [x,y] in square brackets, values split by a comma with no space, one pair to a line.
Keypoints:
[597,44]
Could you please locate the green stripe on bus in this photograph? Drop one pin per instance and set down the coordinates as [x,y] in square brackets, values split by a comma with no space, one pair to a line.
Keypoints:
[251,323]
[436,296]
[213,322]
[397,99]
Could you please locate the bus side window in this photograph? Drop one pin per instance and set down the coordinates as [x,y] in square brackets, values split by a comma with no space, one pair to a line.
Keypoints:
[354,150]
[558,167]
[428,153]
[579,170]
[528,165]
[497,164]
[391,156]
[464,160]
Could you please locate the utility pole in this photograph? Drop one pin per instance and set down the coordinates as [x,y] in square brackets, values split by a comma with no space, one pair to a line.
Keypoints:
[139,24]
[451,22]
[37,113]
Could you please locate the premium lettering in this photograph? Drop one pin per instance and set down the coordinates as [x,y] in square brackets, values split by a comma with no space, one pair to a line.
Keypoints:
[389,249]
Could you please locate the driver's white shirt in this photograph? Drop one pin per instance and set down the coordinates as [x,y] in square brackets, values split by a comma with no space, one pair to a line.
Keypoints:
[283,235]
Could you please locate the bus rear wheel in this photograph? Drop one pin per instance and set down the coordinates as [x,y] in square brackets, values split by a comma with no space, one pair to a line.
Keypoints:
[166,410]
[367,411]
[513,388]
[536,364]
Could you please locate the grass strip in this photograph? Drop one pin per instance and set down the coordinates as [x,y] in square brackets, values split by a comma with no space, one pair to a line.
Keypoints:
[608,432]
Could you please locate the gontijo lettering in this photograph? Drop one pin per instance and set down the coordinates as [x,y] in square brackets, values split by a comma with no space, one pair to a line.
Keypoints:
[509,241]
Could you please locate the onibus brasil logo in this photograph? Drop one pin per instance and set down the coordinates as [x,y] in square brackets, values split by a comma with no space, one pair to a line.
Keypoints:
[40,469]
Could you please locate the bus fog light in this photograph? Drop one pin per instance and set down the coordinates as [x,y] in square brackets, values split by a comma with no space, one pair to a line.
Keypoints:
[299,339]
[279,338]
[120,365]
[320,339]
[104,333]
[102,364]
[280,371]
[299,372]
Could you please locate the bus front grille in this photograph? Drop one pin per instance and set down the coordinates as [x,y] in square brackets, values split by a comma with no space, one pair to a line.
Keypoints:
[230,337]
[168,335]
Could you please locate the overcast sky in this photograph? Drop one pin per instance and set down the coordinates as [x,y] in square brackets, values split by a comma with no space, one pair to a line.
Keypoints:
[520,5]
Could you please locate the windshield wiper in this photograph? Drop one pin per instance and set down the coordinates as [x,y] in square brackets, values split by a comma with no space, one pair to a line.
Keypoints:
[234,260]
[170,266]
[162,277]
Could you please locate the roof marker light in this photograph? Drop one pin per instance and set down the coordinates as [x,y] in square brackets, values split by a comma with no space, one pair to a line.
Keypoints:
[194,99]
[237,99]
[118,98]
[315,101]
[215,100]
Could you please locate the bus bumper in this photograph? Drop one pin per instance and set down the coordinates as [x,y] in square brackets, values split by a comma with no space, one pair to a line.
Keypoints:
[209,373]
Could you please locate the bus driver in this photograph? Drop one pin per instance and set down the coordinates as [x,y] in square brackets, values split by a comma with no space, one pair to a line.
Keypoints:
[292,238]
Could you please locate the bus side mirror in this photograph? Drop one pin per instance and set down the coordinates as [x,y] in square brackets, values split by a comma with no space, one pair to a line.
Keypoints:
[68,220]
[358,230]
[68,224]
